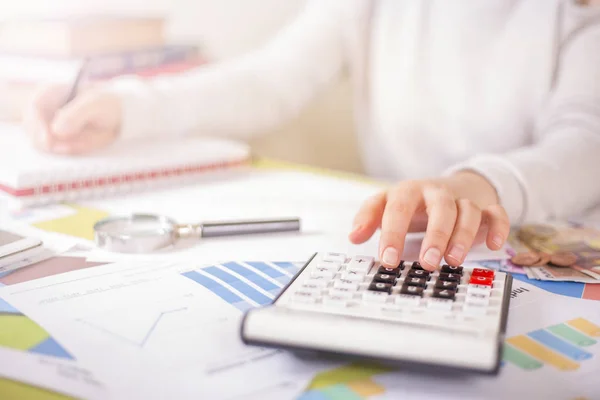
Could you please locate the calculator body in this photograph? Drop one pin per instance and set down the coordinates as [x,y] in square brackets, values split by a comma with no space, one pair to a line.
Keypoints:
[352,307]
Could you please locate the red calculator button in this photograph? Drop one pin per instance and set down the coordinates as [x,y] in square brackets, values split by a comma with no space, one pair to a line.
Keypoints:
[480,280]
[487,273]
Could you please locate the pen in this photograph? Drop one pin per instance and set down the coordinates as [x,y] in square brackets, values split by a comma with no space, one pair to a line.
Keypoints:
[78,78]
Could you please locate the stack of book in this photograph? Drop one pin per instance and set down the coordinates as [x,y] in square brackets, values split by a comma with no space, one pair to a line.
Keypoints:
[49,51]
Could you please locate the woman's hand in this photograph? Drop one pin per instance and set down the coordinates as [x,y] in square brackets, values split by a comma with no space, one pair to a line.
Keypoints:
[89,122]
[454,212]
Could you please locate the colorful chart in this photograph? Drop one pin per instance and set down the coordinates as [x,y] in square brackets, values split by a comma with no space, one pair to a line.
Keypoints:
[563,346]
[20,332]
[571,289]
[351,382]
[245,284]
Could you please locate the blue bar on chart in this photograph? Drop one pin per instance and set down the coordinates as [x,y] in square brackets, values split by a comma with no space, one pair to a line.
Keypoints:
[282,271]
[233,280]
[560,346]
[240,285]
[214,287]
[252,276]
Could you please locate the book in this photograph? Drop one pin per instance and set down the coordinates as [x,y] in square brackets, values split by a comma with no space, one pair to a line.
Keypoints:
[29,177]
[82,36]
[17,68]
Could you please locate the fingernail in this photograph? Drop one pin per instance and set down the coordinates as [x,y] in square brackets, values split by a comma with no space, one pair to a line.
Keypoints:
[497,240]
[391,257]
[356,228]
[432,257]
[457,252]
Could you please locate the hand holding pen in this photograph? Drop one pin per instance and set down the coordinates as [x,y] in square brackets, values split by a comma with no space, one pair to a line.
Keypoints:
[65,119]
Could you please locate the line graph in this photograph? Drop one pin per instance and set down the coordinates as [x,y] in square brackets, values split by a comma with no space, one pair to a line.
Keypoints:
[131,337]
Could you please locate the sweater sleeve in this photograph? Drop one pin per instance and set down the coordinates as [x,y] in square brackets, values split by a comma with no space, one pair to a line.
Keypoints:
[246,95]
[557,176]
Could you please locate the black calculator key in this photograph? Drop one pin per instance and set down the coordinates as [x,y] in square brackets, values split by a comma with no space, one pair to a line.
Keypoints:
[449,277]
[418,273]
[446,285]
[385,278]
[417,266]
[389,271]
[444,294]
[412,290]
[380,287]
[421,282]
[402,265]
[449,269]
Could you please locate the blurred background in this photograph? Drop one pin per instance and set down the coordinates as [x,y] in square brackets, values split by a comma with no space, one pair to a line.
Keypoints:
[189,32]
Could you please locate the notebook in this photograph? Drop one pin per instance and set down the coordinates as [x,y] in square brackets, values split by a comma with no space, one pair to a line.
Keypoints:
[29,177]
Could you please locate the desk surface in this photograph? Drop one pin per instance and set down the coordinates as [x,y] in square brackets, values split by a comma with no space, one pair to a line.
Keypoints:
[16,390]
[361,374]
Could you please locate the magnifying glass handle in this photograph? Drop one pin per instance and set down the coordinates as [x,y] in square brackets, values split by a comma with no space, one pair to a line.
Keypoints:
[217,229]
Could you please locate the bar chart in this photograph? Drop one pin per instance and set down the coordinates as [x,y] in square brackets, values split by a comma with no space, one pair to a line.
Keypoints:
[245,284]
[562,346]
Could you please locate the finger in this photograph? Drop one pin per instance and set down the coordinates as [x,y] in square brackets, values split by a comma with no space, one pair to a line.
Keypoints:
[39,113]
[71,120]
[368,218]
[441,209]
[401,205]
[467,225]
[85,143]
[498,226]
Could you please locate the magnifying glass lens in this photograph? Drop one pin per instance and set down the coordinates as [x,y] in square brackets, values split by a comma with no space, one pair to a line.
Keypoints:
[138,227]
[137,233]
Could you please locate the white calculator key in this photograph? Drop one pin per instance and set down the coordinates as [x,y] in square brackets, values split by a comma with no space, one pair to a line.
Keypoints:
[335,301]
[353,276]
[474,309]
[479,289]
[347,293]
[335,257]
[305,297]
[322,272]
[315,290]
[361,264]
[439,304]
[320,281]
[345,284]
[331,265]
[407,300]
[392,307]
[316,287]
[477,298]
[376,297]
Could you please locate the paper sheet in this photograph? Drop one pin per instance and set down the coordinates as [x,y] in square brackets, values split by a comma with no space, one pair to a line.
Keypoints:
[536,322]
[79,224]
[29,353]
[147,319]
[57,374]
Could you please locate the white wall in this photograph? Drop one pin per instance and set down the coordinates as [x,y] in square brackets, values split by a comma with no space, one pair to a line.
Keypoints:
[322,135]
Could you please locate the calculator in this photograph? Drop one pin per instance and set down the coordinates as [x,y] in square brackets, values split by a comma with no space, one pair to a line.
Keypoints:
[352,306]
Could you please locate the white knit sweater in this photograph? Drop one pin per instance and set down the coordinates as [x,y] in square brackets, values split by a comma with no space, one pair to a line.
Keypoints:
[509,88]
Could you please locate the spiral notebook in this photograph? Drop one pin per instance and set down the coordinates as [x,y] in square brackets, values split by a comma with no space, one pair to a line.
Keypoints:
[29,177]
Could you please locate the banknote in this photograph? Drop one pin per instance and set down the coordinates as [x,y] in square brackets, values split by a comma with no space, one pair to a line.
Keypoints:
[583,241]
[549,273]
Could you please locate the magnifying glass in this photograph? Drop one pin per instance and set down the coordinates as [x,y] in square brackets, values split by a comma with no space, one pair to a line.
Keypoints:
[143,233]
